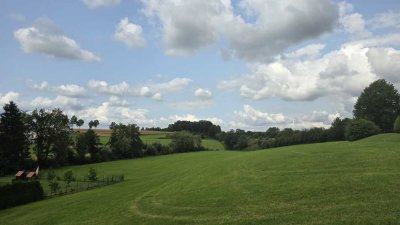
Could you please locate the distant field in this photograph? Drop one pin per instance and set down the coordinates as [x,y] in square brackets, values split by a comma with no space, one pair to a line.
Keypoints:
[149,137]
[329,183]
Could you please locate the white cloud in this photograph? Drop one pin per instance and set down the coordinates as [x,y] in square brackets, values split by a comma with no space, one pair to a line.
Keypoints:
[104,88]
[354,24]
[188,26]
[69,90]
[106,113]
[203,94]
[117,101]
[344,72]
[100,3]
[7,97]
[387,19]
[254,119]
[385,62]
[44,37]
[153,90]
[63,102]
[129,33]
[308,52]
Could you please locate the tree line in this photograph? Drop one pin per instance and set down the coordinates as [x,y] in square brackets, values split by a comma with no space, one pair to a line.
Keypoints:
[377,110]
[47,138]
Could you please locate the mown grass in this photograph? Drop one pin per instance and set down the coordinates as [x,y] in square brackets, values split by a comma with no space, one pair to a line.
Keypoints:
[330,183]
[210,144]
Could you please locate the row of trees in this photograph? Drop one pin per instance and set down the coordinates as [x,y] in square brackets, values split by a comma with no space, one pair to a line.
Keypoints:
[47,138]
[375,111]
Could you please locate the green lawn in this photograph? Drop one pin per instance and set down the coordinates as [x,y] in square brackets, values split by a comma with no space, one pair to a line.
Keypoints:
[330,183]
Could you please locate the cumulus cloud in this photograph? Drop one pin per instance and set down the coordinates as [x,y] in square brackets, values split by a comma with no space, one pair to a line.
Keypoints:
[354,24]
[308,52]
[130,34]
[107,112]
[203,94]
[344,72]
[104,88]
[45,37]
[190,26]
[100,3]
[389,19]
[7,97]
[385,62]
[62,102]
[69,90]
[254,119]
[153,90]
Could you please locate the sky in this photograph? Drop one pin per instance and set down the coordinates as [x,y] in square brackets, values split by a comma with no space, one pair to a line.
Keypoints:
[248,64]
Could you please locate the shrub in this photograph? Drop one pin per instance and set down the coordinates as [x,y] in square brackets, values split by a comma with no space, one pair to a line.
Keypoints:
[184,141]
[360,128]
[92,176]
[19,193]
[396,127]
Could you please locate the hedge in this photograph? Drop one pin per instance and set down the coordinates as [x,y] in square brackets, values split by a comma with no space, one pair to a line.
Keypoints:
[360,128]
[19,193]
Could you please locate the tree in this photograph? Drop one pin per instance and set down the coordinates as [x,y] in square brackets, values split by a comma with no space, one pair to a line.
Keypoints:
[92,175]
[184,141]
[73,121]
[81,146]
[396,126]
[68,178]
[360,128]
[80,123]
[47,128]
[379,103]
[53,181]
[125,141]
[14,136]
[338,129]
[93,145]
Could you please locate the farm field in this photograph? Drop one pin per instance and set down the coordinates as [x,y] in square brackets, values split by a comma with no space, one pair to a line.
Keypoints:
[329,183]
[161,137]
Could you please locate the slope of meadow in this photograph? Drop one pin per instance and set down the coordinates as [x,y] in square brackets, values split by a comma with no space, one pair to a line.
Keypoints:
[329,183]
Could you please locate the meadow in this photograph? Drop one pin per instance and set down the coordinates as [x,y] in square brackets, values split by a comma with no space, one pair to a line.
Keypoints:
[328,183]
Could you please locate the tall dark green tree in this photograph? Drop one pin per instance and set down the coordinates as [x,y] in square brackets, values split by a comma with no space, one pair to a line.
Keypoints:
[125,141]
[14,136]
[47,129]
[379,103]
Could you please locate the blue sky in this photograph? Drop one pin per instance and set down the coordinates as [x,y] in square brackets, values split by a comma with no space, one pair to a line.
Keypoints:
[248,64]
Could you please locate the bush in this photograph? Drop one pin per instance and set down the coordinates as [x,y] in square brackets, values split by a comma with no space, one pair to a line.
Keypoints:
[396,127]
[360,128]
[19,193]
[184,141]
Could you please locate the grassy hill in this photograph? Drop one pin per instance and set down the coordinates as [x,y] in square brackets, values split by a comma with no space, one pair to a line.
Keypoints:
[330,183]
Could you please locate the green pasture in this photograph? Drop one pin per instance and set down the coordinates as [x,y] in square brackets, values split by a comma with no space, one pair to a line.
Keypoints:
[329,183]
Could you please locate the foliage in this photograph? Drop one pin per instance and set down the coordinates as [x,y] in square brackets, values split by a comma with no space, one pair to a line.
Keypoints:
[93,123]
[379,103]
[360,128]
[202,127]
[47,128]
[80,123]
[19,193]
[69,177]
[14,145]
[73,121]
[81,145]
[338,129]
[92,175]
[93,145]
[396,126]
[184,141]
[125,141]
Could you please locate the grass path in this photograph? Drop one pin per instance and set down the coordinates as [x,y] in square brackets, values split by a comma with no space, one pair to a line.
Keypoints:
[331,183]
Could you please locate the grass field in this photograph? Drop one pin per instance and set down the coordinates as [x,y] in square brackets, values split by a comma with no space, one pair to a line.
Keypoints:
[330,183]
[161,138]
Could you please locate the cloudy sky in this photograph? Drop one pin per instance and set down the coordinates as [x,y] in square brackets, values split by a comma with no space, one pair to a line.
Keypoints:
[248,64]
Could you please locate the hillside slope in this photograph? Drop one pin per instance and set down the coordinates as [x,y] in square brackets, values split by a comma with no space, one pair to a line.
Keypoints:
[329,183]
